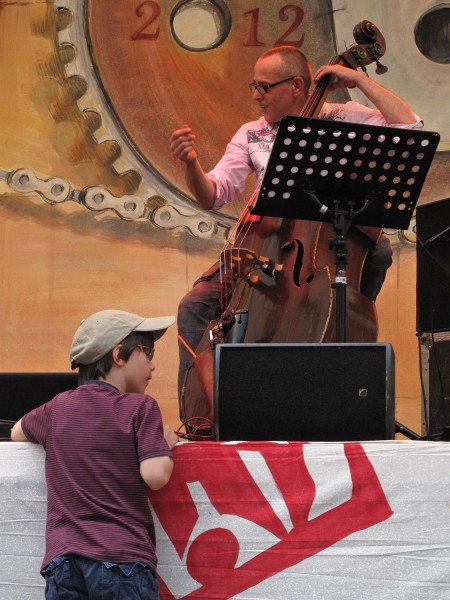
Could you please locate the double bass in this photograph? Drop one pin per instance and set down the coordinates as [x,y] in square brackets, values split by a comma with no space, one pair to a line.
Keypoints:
[282,272]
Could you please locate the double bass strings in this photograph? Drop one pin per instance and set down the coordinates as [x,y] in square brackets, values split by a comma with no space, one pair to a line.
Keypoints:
[234,243]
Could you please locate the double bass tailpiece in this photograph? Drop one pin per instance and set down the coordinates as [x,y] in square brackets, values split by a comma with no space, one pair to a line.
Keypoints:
[246,263]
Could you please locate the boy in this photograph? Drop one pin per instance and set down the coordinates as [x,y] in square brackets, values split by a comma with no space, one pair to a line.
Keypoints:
[104,443]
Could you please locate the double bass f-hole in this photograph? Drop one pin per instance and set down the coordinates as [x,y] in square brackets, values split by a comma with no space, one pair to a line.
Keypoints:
[297,247]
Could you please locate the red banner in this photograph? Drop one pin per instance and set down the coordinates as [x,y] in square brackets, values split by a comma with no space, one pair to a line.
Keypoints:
[234,515]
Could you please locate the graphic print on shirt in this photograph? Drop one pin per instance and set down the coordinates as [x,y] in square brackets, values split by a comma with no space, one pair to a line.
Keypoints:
[286,507]
[335,114]
[260,144]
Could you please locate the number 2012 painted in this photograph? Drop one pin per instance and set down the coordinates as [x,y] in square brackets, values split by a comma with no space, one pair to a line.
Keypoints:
[150,11]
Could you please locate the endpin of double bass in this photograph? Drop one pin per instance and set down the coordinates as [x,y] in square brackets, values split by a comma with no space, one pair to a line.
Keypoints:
[236,333]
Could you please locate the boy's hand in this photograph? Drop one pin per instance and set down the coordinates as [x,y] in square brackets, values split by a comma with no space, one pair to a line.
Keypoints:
[171,437]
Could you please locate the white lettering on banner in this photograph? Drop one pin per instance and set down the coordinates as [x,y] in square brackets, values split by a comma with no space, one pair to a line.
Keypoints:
[208,519]
[174,570]
[263,478]
[328,466]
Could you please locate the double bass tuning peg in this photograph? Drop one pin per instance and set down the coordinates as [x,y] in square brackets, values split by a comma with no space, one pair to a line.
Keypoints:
[378,50]
[381,69]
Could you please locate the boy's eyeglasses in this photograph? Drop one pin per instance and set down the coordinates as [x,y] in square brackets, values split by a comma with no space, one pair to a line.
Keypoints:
[149,352]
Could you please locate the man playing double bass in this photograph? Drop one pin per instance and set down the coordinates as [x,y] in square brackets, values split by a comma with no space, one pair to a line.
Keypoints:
[282,79]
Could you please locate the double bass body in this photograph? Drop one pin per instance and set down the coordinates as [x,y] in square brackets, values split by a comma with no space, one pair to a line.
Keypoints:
[284,294]
[288,296]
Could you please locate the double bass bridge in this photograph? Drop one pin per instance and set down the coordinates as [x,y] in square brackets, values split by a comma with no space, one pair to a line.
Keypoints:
[247,264]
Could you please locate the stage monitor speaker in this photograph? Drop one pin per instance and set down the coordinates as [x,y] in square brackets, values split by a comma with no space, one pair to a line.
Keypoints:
[433,266]
[21,392]
[304,392]
[439,386]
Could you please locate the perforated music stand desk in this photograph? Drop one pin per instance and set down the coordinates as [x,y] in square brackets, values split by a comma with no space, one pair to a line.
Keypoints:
[345,173]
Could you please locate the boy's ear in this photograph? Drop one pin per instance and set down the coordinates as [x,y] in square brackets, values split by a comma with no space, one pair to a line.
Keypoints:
[117,360]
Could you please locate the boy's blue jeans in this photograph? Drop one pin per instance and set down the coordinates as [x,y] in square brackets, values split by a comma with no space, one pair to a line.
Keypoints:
[78,578]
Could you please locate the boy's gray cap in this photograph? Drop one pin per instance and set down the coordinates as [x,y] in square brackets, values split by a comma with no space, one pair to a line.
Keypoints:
[99,333]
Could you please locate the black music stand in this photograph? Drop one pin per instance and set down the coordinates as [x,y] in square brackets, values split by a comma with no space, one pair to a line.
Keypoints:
[348,174]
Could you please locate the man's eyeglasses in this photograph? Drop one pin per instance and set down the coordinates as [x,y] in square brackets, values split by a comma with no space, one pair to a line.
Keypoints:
[263,88]
[149,352]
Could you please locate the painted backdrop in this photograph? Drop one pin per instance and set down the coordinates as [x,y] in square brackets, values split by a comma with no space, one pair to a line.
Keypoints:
[94,211]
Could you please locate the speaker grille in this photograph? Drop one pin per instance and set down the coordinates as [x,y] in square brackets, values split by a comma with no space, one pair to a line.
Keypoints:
[22,392]
[311,392]
[433,267]
[439,386]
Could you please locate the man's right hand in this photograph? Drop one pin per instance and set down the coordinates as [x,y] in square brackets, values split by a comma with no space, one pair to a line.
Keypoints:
[182,144]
